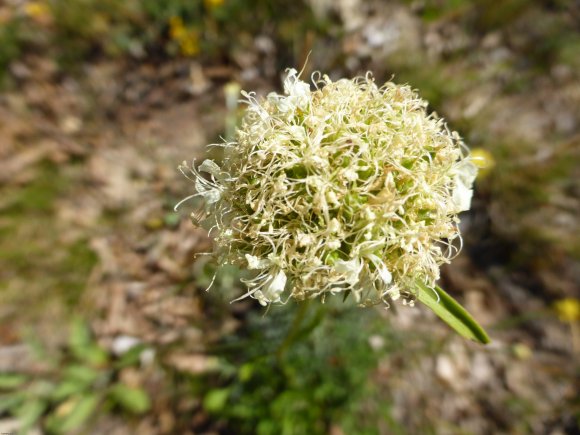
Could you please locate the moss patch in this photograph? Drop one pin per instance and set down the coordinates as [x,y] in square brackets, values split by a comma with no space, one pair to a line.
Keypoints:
[37,262]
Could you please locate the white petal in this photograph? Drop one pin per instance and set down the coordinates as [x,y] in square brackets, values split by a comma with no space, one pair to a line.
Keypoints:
[297,132]
[462,197]
[394,293]
[274,98]
[282,103]
[351,269]
[257,263]
[465,173]
[297,94]
[305,239]
[210,195]
[385,274]
[274,287]
[261,298]
[381,269]
[333,244]
[298,91]
[334,226]
[210,167]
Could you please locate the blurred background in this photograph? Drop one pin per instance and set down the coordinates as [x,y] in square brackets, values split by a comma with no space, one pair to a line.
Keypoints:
[105,324]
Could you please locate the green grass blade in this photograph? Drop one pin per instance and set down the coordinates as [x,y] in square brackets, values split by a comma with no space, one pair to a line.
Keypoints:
[451,313]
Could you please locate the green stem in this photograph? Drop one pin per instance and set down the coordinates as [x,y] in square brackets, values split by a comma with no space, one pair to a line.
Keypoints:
[294,330]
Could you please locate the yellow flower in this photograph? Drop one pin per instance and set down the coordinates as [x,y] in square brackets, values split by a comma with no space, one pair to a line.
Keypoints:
[177,29]
[568,309]
[186,39]
[189,44]
[38,11]
[212,4]
[484,160]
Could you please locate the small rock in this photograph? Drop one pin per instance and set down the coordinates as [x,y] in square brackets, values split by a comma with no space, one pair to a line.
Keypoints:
[194,364]
[482,371]
[376,342]
[445,369]
[123,344]
[71,124]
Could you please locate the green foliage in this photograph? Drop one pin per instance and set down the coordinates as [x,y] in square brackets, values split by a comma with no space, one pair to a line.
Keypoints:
[82,346]
[447,309]
[321,379]
[30,244]
[83,26]
[492,15]
[11,380]
[526,193]
[82,408]
[486,14]
[10,44]
[132,399]
[73,31]
[435,9]
[82,382]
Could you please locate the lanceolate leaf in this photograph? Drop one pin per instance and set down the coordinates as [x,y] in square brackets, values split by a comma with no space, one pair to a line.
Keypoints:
[11,380]
[29,413]
[134,400]
[451,312]
[83,409]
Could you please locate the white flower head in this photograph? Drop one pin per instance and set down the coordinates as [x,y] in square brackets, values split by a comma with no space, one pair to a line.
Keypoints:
[339,186]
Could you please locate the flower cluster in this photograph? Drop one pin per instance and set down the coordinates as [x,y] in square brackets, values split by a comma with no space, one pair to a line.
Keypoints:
[342,187]
[186,38]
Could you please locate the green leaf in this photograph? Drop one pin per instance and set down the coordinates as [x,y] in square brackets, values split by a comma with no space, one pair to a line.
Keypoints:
[215,400]
[82,345]
[40,352]
[134,400]
[80,335]
[130,358]
[41,388]
[95,355]
[9,381]
[11,401]
[66,389]
[451,312]
[82,375]
[83,409]
[246,371]
[29,413]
